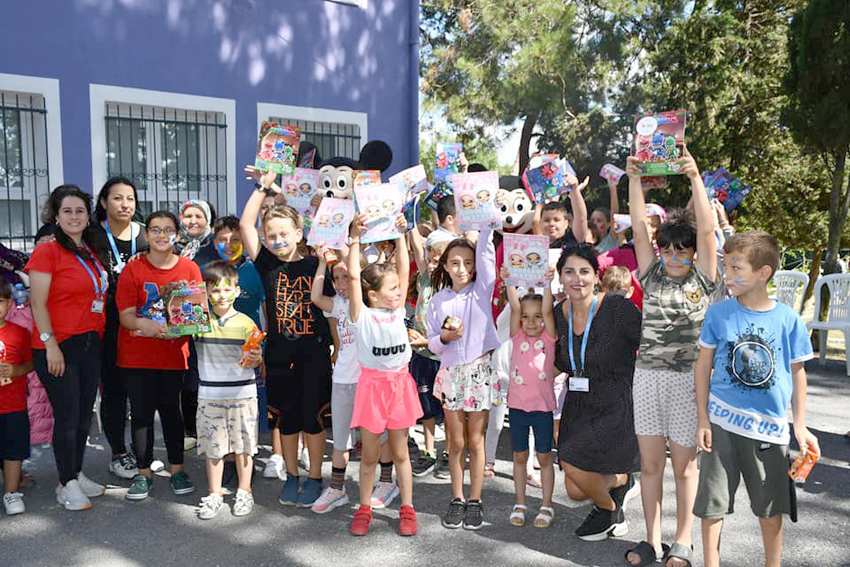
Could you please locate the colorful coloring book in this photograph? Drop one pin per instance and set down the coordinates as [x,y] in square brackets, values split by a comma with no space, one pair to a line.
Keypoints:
[725,187]
[412,181]
[412,212]
[527,259]
[548,181]
[439,191]
[299,188]
[278,148]
[475,200]
[445,162]
[367,177]
[380,205]
[611,172]
[186,308]
[330,225]
[659,140]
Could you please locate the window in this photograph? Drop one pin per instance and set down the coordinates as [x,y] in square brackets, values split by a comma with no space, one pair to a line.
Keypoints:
[30,154]
[175,147]
[335,133]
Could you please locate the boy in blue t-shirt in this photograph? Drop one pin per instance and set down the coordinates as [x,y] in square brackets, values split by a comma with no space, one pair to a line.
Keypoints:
[756,347]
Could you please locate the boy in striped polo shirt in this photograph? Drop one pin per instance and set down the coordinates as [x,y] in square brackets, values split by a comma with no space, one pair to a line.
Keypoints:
[227,397]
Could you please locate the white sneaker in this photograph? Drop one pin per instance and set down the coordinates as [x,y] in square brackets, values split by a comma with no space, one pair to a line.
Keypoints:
[13,502]
[71,496]
[274,468]
[123,467]
[383,494]
[331,498]
[89,487]
[210,506]
[189,443]
[157,466]
[244,503]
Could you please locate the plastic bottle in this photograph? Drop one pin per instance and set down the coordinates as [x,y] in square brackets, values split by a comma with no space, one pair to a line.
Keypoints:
[21,295]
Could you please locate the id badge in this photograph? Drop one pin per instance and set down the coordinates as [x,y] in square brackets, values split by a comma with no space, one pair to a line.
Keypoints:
[97,306]
[579,384]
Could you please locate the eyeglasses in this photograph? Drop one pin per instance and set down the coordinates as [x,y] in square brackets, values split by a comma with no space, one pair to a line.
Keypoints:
[156,231]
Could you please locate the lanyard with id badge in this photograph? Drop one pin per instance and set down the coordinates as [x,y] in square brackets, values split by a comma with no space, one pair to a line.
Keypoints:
[100,284]
[119,263]
[578,381]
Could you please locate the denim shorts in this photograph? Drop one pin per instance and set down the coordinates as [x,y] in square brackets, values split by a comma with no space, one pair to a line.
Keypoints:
[539,421]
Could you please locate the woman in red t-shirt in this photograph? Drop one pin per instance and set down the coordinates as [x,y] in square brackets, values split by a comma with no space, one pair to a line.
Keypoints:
[153,363]
[67,293]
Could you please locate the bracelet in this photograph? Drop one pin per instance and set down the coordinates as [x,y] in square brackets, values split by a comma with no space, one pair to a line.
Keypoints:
[265,190]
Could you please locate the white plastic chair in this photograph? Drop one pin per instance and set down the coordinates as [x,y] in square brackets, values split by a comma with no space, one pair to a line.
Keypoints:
[838,318]
[787,283]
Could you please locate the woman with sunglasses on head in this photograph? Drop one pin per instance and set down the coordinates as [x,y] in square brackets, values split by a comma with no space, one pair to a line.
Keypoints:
[68,286]
[152,362]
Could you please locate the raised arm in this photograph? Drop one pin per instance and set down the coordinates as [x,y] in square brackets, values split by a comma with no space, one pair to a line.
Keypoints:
[549,305]
[317,291]
[513,301]
[613,205]
[705,217]
[538,216]
[355,291]
[485,259]
[637,211]
[420,254]
[248,222]
[402,258]
[579,224]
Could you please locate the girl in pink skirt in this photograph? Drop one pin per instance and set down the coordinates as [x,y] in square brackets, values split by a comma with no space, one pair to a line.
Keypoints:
[386,398]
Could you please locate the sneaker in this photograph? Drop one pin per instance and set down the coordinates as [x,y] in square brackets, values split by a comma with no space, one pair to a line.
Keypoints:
[361,521]
[383,494]
[90,488]
[289,492]
[140,488]
[181,484]
[407,521]
[157,466]
[274,468]
[474,518]
[189,443]
[331,498]
[244,504]
[423,465]
[600,524]
[310,492]
[210,506]
[71,496]
[623,494]
[454,516]
[441,469]
[123,467]
[13,502]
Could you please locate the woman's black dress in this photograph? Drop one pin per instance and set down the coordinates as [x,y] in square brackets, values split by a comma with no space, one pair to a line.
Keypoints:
[597,427]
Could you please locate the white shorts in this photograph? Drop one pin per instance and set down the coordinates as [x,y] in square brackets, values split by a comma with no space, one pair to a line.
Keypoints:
[665,405]
[227,426]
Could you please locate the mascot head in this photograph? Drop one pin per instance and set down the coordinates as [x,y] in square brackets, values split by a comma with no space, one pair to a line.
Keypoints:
[336,175]
[518,210]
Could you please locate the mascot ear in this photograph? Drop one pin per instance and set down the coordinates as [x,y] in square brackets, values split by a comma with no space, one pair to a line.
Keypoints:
[376,155]
[511,182]
[475,168]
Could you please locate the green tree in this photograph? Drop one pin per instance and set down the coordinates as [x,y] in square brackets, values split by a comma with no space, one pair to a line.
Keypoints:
[818,110]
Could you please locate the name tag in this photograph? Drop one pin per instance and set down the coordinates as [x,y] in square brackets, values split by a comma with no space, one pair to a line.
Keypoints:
[97,306]
[579,384]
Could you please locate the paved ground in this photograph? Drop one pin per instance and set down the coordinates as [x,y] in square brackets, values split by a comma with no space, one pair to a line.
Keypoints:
[164,530]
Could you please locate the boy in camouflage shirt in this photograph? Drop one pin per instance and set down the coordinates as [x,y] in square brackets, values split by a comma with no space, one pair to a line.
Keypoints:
[678,283]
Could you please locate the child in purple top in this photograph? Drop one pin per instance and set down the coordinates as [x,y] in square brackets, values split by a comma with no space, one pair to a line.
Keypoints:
[465,383]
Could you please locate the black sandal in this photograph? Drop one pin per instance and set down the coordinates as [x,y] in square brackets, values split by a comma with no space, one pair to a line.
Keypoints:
[646,554]
[679,551]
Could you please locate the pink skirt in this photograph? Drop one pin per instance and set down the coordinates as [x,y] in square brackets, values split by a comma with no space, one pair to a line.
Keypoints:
[385,400]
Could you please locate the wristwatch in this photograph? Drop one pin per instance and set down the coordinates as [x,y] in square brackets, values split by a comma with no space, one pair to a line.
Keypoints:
[45,337]
[260,189]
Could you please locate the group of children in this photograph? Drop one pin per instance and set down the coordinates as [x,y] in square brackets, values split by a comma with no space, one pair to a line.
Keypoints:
[385,377]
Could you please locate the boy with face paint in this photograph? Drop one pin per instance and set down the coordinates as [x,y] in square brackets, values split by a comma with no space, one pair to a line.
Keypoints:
[227,417]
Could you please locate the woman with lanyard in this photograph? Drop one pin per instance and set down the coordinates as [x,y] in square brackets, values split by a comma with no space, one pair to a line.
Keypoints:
[598,336]
[118,239]
[196,219]
[68,295]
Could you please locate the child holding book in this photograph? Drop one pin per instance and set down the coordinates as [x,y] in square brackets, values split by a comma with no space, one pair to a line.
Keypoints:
[531,394]
[386,397]
[678,285]
[227,395]
[750,366]
[15,363]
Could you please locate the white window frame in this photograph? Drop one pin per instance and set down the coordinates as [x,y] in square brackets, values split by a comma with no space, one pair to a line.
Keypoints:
[266,110]
[99,95]
[49,90]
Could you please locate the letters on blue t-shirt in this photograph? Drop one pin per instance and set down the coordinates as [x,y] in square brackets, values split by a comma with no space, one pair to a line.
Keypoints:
[751,386]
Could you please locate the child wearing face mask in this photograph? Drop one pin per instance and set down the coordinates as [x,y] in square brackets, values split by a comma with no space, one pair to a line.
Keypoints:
[386,397]
[297,345]
[678,287]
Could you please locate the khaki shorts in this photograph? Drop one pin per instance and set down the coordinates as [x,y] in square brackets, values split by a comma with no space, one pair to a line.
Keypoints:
[764,467]
[227,426]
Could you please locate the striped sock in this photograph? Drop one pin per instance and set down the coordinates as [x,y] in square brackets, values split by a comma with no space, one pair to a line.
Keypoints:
[387,472]
[337,477]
